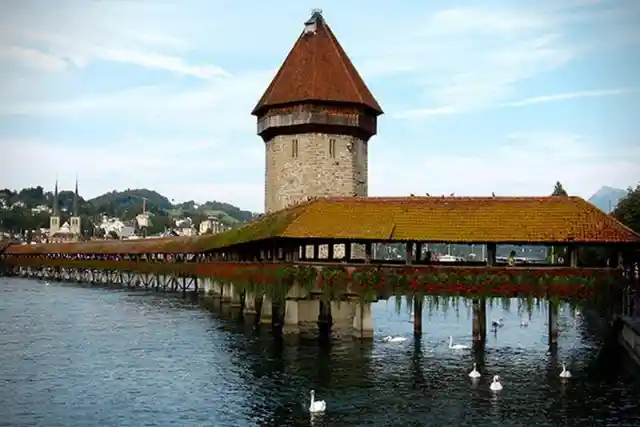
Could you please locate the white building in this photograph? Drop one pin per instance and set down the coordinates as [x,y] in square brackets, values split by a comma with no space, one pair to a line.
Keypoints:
[184,227]
[143,220]
[212,225]
[116,226]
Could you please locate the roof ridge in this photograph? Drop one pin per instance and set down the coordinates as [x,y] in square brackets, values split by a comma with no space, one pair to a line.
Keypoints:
[444,197]
[342,56]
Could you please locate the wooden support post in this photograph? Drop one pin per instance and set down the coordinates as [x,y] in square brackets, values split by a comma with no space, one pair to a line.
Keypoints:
[367,253]
[331,251]
[573,256]
[417,315]
[347,252]
[483,324]
[418,252]
[479,322]
[553,323]
[491,254]
[324,319]
[619,259]
[408,258]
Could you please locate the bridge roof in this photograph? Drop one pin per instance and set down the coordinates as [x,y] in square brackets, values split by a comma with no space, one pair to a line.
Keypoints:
[465,220]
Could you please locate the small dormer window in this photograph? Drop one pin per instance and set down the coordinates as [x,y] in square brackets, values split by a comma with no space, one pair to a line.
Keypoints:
[311,26]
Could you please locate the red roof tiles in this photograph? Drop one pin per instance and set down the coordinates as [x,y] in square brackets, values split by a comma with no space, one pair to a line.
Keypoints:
[317,70]
[502,220]
[517,220]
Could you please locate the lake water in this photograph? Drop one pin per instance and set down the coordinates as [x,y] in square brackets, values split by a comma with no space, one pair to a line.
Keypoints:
[89,356]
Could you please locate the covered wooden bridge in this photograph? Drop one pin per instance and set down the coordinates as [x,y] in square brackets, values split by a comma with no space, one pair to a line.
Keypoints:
[319,251]
[414,221]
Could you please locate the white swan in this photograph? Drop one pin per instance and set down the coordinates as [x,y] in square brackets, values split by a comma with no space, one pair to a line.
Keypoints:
[46,283]
[394,339]
[316,405]
[457,346]
[474,373]
[565,373]
[495,384]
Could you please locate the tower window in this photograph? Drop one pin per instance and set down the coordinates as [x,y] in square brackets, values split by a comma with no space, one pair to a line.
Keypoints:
[294,148]
[332,148]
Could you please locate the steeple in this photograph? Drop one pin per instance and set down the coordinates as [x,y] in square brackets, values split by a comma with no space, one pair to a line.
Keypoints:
[54,219]
[75,227]
[56,204]
[76,211]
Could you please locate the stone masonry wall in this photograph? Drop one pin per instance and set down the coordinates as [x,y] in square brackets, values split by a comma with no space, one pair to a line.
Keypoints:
[312,170]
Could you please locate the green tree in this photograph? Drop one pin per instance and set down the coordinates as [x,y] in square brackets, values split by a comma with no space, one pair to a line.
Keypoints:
[628,209]
[559,190]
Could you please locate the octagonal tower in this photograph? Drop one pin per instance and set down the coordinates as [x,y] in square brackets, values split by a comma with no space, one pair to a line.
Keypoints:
[316,119]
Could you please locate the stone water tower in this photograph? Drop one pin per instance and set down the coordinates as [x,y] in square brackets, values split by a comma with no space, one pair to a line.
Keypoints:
[316,118]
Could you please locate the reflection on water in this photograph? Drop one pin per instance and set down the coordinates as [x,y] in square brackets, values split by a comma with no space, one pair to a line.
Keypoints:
[80,356]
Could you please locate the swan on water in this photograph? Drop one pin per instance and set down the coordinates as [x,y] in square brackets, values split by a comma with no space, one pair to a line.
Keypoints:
[474,373]
[316,405]
[394,339]
[46,283]
[456,346]
[497,323]
[524,323]
[495,384]
[565,373]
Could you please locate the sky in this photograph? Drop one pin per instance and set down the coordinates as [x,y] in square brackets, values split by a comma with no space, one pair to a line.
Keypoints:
[479,96]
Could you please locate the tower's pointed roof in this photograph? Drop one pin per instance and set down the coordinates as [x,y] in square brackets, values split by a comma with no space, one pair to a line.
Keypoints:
[317,70]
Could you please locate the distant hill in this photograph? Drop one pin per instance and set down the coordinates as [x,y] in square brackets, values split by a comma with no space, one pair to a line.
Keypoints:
[19,210]
[128,203]
[607,198]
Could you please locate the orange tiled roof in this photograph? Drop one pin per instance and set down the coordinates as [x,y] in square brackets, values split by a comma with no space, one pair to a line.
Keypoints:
[516,220]
[460,220]
[317,69]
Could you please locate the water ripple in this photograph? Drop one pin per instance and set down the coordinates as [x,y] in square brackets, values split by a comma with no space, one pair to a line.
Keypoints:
[82,356]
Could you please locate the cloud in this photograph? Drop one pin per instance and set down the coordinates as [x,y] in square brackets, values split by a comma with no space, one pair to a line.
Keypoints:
[525,163]
[450,110]
[80,34]
[568,96]
[469,59]
[32,58]
[159,94]
[201,170]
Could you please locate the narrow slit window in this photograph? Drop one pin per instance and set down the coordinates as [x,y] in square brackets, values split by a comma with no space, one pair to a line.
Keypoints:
[332,148]
[294,148]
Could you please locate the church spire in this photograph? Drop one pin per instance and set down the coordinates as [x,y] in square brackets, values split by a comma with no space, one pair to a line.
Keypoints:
[56,206]
[76,211]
